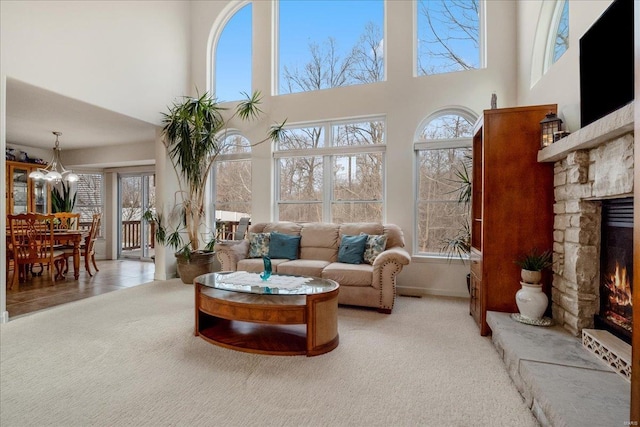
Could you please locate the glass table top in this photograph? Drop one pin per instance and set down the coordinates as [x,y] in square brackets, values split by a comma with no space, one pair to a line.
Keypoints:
[277,284]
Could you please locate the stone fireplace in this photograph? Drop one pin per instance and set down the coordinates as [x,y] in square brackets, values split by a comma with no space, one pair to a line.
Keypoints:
[591,165]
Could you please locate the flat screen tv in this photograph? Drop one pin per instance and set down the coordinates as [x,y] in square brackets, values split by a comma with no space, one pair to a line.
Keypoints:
[606,63]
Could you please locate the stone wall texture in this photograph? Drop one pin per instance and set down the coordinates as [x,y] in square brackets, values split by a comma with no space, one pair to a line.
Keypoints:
[581,181]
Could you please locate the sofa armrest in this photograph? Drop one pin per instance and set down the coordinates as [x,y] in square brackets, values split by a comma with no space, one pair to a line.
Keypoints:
[386,268]
[229,252]
[396,255]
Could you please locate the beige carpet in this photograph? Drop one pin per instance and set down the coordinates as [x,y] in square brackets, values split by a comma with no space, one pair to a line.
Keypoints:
[129,358]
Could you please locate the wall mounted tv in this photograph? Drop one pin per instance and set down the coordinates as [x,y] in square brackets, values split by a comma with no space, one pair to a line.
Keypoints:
[606,63]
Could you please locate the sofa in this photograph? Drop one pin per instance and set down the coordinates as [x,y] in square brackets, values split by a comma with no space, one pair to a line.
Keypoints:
[368,283]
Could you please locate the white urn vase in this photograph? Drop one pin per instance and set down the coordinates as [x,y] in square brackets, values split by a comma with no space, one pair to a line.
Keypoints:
[531,301]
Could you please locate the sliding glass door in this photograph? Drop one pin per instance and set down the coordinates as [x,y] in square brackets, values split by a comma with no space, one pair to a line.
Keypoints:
[136,193]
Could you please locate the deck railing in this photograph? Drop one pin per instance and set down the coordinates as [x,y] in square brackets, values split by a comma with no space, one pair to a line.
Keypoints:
[131,235]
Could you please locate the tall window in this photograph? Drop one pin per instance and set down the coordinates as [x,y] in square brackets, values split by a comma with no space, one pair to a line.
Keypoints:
[559,34]
[443,171]
[232,179]
[332,172]
[233,57]
[325,44]
[448,36]
[90,197]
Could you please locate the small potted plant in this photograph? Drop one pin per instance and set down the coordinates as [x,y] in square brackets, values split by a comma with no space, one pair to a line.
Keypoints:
[532,265]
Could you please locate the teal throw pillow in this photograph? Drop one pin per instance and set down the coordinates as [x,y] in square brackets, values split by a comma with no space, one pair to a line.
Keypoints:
[258,245]
[351,249]
[283,246]
[374,247]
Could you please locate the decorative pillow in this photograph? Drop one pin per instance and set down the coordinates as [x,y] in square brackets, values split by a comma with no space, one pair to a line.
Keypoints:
[352,249]
[374,247]
[259,245]
[283,246]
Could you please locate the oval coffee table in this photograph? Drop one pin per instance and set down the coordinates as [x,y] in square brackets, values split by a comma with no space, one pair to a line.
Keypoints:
[286,315]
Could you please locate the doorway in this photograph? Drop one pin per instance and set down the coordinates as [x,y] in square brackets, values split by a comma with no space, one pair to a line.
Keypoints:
[136,194]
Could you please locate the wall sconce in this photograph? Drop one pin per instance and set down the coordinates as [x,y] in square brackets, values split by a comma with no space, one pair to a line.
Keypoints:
[548,127]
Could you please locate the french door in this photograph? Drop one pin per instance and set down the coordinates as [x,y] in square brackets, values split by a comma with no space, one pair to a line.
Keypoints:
[136,194]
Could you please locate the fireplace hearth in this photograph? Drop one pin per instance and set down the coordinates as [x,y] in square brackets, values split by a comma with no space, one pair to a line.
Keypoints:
[616,269]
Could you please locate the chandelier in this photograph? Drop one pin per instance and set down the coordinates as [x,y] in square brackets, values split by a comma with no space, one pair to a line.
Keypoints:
[54,172]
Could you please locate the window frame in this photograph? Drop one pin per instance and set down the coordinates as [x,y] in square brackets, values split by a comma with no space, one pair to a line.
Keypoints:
[552,35]
[101,206]
[217,29]
[482,37]
[424,144]
[213,177]
[328,152]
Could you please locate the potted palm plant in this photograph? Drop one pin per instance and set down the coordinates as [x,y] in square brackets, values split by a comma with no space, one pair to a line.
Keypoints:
[459,245]
[532,265]
[194,132]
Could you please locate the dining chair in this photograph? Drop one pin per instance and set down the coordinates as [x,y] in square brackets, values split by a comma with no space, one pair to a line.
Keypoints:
[67,221]
[87,248]
[32,242]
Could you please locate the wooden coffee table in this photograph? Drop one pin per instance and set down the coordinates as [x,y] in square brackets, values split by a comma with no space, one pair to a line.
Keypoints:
[263,317]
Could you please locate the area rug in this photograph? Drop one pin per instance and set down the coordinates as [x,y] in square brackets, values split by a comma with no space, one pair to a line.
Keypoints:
[130,358]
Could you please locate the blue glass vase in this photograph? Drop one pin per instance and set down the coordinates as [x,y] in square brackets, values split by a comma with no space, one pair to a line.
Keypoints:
[267,268]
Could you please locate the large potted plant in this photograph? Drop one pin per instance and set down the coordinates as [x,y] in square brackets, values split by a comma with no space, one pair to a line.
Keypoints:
[194,132]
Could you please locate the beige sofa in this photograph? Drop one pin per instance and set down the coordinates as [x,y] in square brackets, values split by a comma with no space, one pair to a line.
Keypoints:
[370,285]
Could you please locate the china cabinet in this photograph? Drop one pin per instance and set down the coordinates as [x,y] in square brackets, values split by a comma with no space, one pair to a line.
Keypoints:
[24,194]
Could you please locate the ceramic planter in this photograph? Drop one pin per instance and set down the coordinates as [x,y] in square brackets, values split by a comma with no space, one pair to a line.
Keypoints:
[529,276]
[531,301]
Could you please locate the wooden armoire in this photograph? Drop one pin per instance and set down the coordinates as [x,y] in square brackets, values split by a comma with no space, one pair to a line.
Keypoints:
[511,208]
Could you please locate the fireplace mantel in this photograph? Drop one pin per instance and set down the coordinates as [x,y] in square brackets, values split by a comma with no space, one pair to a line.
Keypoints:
[607,128]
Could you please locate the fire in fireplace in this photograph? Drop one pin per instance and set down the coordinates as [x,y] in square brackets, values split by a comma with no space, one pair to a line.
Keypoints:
[616,268]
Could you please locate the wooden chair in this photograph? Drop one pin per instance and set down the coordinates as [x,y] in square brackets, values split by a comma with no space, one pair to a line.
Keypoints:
[241,230]
[88,247]
[32,242]
[67,221]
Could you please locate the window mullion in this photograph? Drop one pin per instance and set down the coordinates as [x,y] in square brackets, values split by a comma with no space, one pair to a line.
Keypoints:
[327,183]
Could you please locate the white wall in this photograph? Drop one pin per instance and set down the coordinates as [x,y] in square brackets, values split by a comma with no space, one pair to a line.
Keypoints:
[131,57]
[561,84]
[404,100]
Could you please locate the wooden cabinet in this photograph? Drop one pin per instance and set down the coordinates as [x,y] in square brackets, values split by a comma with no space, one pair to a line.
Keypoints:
[24,194]
[511,206]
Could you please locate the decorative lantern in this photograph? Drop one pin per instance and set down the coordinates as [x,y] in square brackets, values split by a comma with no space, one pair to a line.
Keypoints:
[548,127]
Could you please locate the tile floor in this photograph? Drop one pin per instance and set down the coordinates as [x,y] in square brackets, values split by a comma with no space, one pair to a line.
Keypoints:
[39,292]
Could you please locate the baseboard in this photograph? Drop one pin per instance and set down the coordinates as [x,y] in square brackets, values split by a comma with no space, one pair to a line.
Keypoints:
[414,291]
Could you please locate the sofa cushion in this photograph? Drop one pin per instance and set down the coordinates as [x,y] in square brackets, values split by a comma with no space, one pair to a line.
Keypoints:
[256,265]
[283,246]
[352,249]
[355,228]
[349,274]
[284,227]
[374,247]
[320,241]
[259,244]
[303,267]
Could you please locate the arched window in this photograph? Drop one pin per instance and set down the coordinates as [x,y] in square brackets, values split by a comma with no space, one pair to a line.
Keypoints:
[232,56]
[232,182]
[448,36]
[558,42]
[443,171]
[551,40]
